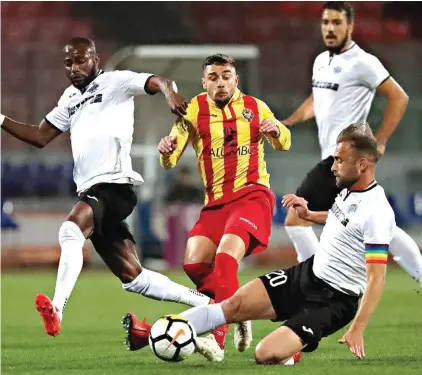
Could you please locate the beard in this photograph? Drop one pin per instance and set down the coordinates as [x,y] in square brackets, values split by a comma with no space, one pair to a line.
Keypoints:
[222,103]
[345,183]
[337,49]
[81,84]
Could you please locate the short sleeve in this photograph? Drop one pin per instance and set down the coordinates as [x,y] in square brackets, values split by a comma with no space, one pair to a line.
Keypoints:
[378,227]
[59,116]
[132,83]
[371,71]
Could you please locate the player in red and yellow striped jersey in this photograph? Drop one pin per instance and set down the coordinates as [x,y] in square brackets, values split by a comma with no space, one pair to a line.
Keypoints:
[227,130]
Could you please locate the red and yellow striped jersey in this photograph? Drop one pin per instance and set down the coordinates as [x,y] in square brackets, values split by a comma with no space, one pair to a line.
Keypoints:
[228,144]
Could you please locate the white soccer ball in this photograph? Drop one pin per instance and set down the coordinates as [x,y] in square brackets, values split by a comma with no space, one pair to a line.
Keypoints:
[172,338]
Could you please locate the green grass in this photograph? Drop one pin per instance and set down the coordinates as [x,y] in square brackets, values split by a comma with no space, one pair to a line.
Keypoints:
[91,341]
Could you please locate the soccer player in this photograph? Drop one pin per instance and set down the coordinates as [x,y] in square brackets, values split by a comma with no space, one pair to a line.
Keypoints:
[98,108]
[227,129]
[345,80]
[319,296]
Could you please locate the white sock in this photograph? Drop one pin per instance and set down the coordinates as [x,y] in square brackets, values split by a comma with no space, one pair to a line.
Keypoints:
[406,253]
[157,286]
[205,318]
[304,240]
[71,240]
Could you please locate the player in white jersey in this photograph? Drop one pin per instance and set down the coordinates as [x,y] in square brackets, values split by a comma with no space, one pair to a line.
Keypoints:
[320,295]
[98,110]
[345,80]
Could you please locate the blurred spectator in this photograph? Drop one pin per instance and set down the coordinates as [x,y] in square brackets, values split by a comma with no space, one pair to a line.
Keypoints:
[184,189]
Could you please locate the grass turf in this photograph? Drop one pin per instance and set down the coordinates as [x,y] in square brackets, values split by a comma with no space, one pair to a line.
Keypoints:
[91,341]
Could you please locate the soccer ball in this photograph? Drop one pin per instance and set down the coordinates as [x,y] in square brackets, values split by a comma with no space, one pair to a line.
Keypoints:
[172,338]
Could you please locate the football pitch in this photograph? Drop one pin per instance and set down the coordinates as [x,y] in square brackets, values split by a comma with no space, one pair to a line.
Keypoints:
[91,341]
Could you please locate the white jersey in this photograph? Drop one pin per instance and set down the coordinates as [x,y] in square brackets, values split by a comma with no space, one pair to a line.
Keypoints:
[357,222]
[100,120]
[343,87]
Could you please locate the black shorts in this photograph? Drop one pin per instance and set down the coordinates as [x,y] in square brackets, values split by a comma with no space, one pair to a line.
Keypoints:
[111,204]
[319,186]
[309,306]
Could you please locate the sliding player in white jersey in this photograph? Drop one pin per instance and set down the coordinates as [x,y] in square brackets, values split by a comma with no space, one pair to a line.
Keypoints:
[320,295]
[98,110]
[344,82]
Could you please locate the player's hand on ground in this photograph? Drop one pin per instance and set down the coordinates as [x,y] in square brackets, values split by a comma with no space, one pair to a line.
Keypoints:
[177,103]
[298,203]
[167,145]
[354,341]
[269,127]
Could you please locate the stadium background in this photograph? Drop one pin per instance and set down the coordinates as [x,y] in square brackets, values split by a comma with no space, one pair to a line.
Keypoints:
[37,187]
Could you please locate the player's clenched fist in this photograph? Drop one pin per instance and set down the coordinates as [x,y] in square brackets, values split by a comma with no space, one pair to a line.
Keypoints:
[269,127]
[167,145]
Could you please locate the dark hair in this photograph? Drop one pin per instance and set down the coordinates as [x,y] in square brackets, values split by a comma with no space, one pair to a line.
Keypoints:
[342,6]
[82,40]
[219,59]
[361,138]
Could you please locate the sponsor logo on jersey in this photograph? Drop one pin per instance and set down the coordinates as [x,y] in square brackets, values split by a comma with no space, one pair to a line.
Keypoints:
[339,214]
[93,88]
[220,152]
[90,100]
[325,85]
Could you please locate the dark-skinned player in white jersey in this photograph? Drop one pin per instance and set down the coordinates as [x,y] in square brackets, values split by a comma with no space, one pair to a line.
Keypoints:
[345,80]
[98,110]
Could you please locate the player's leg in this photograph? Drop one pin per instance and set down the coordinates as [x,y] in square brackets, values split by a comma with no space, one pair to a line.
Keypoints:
[250,302]
[407,254]
[304,330]
[78,225]
[199,256]
[319,189]
[247,228]
[118,251]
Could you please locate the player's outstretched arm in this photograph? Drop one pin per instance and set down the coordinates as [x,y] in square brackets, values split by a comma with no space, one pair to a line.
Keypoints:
[37,135]
[396,106]
[375,270]
[172,146]
[301,207]
[303,113]
[168,88]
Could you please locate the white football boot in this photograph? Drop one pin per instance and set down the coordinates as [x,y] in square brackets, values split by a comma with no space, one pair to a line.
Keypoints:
[209,348]
[242,335]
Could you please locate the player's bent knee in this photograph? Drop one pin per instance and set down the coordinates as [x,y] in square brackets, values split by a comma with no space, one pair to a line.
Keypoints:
[265,355]
[69,231]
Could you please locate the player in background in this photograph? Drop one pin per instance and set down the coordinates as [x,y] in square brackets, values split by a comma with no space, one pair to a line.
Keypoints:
[98,109]
[227,130]
[319,296]
[345,80]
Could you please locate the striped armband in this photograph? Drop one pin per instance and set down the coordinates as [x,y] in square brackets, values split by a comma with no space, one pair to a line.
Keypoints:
[376,253]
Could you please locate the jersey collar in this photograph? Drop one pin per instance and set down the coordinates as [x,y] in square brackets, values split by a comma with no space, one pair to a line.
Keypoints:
[84,89]
[352,45]
[369,187]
